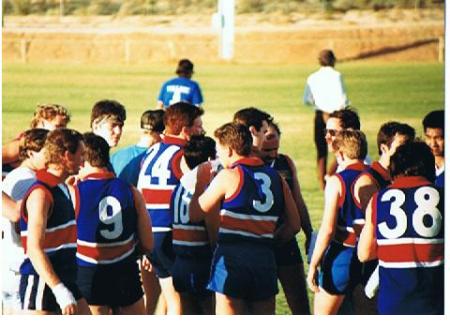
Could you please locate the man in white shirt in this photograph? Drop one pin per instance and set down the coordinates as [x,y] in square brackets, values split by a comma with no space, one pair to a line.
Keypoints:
[325,91]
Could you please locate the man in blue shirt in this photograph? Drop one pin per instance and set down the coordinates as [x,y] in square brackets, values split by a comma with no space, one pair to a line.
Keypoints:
[182,88]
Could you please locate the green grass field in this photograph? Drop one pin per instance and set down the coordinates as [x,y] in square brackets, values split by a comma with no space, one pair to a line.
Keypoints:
[380,91]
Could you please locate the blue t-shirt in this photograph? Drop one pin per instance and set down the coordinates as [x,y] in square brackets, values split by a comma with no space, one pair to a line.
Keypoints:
[126,163]
[180,89]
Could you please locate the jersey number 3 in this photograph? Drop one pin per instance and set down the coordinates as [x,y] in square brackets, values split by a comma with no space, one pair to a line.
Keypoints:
[265,183]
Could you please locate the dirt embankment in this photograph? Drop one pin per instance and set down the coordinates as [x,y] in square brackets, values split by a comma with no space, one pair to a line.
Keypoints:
[401,35]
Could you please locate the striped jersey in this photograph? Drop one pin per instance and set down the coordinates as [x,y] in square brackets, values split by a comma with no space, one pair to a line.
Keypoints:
[160,173]
[410,245]
[60,232]
[350,214]
[252,212]
[378,174]
[106,220]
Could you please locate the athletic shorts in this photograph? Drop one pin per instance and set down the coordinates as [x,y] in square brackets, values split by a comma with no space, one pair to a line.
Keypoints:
[36,295]
[367,269]
[191,275]
[162,256]
[319,135]
[244,271]
[111,285]
[340,269]
[288,254]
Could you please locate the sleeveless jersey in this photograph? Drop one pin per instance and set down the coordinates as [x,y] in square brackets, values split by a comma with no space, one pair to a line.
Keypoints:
[350,214]
[408,216]
[253,211]
[61,231]
[379,174]
[106,220]
[189,239]
[281,165]
[160,173]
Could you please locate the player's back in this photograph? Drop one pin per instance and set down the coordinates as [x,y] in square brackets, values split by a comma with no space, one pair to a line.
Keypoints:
[349,213]
[180,89]
[106,220]
[410,239]
[126,163]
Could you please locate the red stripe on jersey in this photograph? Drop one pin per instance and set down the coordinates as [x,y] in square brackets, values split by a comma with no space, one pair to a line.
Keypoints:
[105,252]
[374,209]
[249,161]
[345,237]
[258,227]
[157,196]
[409,182]
[411,252]
[377,167]
[189,235]
[176,164]
[238,189]
[358,166]
[56,238]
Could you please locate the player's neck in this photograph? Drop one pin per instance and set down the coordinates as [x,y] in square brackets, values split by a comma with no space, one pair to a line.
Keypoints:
[148,139]
[89,170]
[58,171]
[439,161]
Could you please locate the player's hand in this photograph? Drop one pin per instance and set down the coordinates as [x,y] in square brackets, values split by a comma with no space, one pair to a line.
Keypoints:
[311,279]
[70,309]
[146,264]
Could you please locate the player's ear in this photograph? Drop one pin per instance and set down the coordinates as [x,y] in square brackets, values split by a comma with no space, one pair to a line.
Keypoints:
[384,148]
[253,130]
[230,152]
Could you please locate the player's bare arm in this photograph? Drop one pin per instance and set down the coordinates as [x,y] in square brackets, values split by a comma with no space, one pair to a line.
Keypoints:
[364,189]
[144,222]
[326,231]
[10,152]
[367,247]
[10,208]
[292,221]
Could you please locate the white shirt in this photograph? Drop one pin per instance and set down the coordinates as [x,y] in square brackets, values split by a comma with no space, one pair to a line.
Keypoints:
[325,90]
[15,185]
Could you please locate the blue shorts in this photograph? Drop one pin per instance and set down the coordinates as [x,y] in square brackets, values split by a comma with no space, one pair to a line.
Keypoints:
[36,295]
[162,256]
[340,269]
[191,275]
[288,254]
[110,285]
[244,271]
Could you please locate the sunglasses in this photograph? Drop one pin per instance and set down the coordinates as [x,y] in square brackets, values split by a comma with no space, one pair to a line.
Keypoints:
[332,132]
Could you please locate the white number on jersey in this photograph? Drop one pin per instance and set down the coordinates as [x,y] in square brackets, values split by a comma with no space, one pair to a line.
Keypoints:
[113,217]
[159,169]
[181,204]
[264,179]
[427,199]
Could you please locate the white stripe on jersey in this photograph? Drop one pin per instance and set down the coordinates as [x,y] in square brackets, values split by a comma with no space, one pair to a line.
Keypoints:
[157,206]
[26,301]
[50,230]
[184,227]
[62,246]
[409,240]
[243,233]
[40,294]
[248,216]
[411,264]
[90,244]
[185,243]
[108,261]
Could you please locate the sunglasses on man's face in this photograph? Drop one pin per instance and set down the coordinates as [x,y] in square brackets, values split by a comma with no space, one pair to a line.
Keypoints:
[332,132]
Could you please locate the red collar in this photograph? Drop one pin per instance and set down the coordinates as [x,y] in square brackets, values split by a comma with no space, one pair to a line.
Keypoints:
[170,139]
[359,166]
[381,170]
[248,161]
[48,178]
[104,174]
[409,182]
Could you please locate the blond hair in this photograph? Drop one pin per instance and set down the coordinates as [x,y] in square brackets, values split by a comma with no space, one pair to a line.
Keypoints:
[352,143]
[49,112]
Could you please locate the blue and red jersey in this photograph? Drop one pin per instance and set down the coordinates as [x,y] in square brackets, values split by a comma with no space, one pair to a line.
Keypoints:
[253,211]
[160,173]
[378,174]
[409,221]
[106,220]
[189,239]
[60,233]
[350,215]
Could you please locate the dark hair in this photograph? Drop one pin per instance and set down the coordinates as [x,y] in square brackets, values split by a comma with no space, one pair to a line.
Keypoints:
[349,118]
[108,108]
[199,149]
[235,136]
[388,130]
[185,67]
[276,127]
[32,140]
[326,57]
[96,150]
[58,142]
[434,119]
[153,121]
[413,159]
[252,117]
[179,115]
